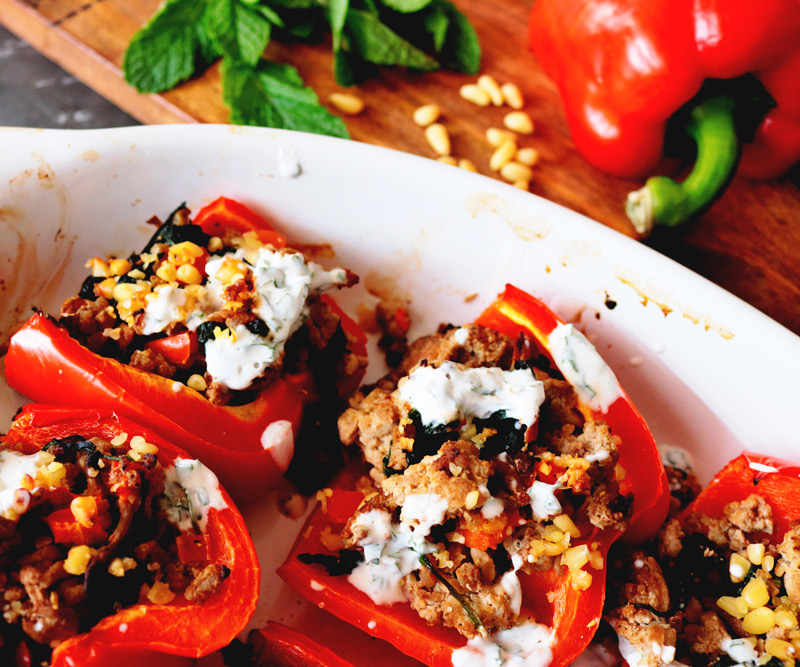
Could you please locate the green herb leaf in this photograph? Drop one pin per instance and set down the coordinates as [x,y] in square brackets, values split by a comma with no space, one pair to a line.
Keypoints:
[436,22]
[274,95]
[461,50]
[240,31]
[337,14]
[375,42]
[169,48]
[406,6]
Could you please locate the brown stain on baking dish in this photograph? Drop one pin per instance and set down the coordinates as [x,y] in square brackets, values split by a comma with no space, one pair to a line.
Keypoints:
[526,226]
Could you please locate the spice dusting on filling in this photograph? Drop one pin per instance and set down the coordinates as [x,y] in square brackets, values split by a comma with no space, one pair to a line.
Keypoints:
[89,527]
[221,314]
[482,469]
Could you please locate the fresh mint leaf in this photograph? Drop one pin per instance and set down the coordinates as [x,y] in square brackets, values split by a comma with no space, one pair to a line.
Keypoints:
[169,48]
[406,6]
[274,95]
[375,42]
[337,10]
[240,31]
[461,50]
[294,4]
[436,23]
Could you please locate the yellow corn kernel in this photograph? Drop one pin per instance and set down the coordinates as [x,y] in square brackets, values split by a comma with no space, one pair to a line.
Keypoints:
[119,440]
[27,482]
[51,475]
[78,559]
[189,275]
[447,159]
[250,241]
[184,252]
[545,468]
[475,94]
[596,560]
[160,593]
[119,267]
[504,153]
[552,549]
[84,509]
[496,136]
[755,593]
[98,266]
[768,563]
[105,288]
[514,171]
[124,291]
[512,95]
[519,122]
[347,103]
[472,499]
[580,579]
[167,272]
[736,607]
[426,114]
[565,523]
[553,534]
[197,382]
[738,568]
[527,156]
[467,165]
[488,83]
[438,138]
[786,619]
[139,444]
[780,649]
[755,553]
[119,566]
[215,244]
[758,621]
[138,274]
[576,557]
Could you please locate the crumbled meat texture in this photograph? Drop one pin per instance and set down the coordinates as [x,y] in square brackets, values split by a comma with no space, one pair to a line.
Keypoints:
[595,441]
[206,583]
[644,629]
[670,539]
[789,549]
[606,507]
[684,487]
[710,635]
[152,362]
[522,543]
[752,515]
[86,320]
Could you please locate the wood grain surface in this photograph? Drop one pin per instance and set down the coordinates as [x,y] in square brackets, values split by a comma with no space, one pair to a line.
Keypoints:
[749,242]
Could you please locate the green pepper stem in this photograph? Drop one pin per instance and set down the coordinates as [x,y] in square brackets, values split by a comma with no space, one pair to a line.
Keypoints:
[663,201]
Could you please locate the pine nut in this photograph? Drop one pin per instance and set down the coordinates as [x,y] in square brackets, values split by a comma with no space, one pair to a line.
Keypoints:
[522,185]
[427,114]
[512,95]
[346,103]
[528,156]
[438,138]
[488,83]
[467,164]
[447,159]
[503,155]
[475,94]
[496,136]
[514,171]
[519,122]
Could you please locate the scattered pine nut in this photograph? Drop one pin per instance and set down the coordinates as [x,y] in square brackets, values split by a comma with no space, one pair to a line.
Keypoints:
[512,95]
[438,138]
[488,83]
[467,164]
[522,185]
[347,103]
[503,155]
[496,136]
[426,114]
[514,171]
[528,156]
[475,94]
[519,122]
[447,159]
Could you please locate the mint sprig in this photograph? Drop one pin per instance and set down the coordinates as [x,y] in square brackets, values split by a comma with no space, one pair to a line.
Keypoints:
[184,37]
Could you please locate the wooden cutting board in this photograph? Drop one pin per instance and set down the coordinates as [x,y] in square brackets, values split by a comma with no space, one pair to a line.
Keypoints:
[748,243]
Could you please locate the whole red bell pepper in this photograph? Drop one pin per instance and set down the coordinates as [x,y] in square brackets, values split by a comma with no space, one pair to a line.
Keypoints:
[157,635]
[548,596]
[47,365]
[624,67]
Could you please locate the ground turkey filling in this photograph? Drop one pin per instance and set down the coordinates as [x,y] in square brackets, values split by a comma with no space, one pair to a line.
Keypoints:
[709,591]
[482,468]
[87,528]
[249,310]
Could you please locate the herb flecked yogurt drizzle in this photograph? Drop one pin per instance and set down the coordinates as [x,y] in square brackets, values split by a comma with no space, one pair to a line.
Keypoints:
[190,491]
[582,366]
[13,468]
[525,645]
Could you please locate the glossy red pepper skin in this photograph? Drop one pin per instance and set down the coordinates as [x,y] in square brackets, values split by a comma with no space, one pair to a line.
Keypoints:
[624,67]
[224,213]
[548,596]
[144,634]
[278,644]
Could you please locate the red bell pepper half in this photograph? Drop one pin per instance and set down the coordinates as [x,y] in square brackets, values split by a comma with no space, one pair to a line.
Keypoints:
[547,596]
[224,213]
[278,644]
[143,634]
[625,67]
[45,364]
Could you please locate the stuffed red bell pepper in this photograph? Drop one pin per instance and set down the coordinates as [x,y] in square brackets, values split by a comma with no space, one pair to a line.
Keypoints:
[215,335]
[624,68]
[721,585]
[117,548]
[504,460]
[278,645]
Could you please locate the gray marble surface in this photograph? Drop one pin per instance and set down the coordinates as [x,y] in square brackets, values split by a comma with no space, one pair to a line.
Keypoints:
[35,92]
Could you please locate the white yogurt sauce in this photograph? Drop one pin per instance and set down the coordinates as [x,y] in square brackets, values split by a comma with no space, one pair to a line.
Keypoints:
[460,335]
[164,310]
[582,366]
[453,392]
[634,658]
[190,491]
[741,651]
[525,645]
[543,500]
[288,161]
[13,467]
[492,508]
[378,524]
[278,439]
[236,361]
